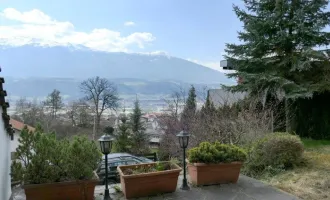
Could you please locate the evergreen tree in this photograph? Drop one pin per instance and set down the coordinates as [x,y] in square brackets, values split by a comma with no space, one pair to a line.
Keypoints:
[140,139]
[208,107]
[208,117]
[277,54]
[123,141]
[189,109]
[135,118]
[109,130]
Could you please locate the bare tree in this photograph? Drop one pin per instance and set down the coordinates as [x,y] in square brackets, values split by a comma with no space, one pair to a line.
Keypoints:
[22,105]
[54,102]
[79,112]
[174,104]
[72,112]
[170,124]
[32,113]
[238,122]
[102,94]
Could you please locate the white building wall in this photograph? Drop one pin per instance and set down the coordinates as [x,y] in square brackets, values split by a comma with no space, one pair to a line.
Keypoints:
[14,143]
[5,186]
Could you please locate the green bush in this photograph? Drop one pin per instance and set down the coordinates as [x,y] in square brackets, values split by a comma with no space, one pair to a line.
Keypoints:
[42,158]
[274,153]
[216,153]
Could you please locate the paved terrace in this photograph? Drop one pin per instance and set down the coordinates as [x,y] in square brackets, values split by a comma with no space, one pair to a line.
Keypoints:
[246,189]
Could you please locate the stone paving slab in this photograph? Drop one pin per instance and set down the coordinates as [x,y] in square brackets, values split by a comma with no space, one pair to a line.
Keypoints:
[246,189]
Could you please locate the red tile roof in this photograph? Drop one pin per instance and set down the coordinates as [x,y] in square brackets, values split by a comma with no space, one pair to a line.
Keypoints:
[19,125]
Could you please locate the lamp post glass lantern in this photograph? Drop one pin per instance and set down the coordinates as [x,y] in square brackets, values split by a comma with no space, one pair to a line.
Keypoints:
[184,141]
[106,145]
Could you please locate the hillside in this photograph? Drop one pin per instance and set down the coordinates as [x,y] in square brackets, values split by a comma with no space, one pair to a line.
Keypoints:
[80,63]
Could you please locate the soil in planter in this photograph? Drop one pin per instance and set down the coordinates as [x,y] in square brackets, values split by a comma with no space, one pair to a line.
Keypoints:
[148,168]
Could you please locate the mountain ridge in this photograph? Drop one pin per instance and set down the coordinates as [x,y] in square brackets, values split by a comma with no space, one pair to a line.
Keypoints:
[80,63]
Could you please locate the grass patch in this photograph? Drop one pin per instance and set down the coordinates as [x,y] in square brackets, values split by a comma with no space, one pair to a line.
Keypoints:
[154,150]
[310,181]
[310,143]
[117,188]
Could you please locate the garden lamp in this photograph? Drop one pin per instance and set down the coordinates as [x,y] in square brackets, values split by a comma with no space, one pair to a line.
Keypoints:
[106,145]
[183,141]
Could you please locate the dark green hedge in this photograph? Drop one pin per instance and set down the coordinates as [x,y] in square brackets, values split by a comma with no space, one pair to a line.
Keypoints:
[312,116]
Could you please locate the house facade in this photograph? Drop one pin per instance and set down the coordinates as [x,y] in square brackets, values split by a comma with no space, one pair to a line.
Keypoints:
[5,186]
[5,139]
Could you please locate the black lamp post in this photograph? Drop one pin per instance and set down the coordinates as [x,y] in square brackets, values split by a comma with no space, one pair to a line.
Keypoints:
[106,145]
[183,141]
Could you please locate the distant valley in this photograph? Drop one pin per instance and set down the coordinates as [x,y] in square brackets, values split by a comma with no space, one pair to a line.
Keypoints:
[40,87]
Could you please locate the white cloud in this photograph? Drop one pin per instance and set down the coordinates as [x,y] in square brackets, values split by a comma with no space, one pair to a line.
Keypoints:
[129,23]
[37,27]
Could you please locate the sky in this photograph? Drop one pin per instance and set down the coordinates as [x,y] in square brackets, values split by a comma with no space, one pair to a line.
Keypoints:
[194,30]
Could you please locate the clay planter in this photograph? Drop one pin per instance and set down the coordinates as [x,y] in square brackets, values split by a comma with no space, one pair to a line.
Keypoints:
[211,174]
[148,184]
[75,190]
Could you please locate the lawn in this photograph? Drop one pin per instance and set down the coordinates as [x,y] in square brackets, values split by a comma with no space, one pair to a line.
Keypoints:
[312,181]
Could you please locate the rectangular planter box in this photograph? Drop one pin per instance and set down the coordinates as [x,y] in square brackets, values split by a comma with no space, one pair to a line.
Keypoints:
[148,184]
[211,174]
[75,190]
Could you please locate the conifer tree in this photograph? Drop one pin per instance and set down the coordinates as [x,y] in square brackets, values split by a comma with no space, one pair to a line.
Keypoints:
[189,110]
[140,139]
[277,54]
[123,141]
[109,130]
[208,107]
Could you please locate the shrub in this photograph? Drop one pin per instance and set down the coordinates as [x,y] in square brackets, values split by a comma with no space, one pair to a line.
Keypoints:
[276,151]
[42,158]
[82,158]
[215,153]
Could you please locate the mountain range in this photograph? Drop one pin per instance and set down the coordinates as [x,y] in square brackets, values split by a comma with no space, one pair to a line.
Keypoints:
[73,62]
[34,70]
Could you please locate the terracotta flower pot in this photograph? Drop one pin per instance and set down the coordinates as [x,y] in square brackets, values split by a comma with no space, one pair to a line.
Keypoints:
[77,190]
[210,174]
[148,184]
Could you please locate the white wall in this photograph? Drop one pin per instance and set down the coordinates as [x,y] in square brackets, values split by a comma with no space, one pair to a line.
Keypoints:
[14,143]
[5,187]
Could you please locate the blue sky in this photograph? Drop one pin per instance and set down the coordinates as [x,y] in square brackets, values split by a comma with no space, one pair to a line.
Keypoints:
[195,30]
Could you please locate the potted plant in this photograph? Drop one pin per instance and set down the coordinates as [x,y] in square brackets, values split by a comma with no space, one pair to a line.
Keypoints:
[52,169]
[216,163]
[148,179]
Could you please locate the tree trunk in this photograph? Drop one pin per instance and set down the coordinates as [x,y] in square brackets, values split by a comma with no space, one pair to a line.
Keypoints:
[287,116]
[94,127]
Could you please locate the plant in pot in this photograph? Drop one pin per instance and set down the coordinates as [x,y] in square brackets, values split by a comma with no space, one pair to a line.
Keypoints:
[149,179]
[215,163]
[56,169]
